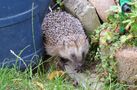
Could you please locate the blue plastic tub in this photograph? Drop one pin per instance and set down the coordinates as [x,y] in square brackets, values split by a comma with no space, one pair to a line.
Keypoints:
[20,32]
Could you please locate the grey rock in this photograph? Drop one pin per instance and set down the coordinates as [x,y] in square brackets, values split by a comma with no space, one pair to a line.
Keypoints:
[85,11]
[127,64]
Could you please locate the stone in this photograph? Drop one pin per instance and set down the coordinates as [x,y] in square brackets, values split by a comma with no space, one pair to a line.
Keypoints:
[102,6]
[127,64]
[85,12]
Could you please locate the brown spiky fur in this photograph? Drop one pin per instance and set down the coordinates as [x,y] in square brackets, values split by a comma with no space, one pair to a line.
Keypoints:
[64,36]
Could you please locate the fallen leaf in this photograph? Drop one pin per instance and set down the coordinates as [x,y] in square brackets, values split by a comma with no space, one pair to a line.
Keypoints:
[54,74]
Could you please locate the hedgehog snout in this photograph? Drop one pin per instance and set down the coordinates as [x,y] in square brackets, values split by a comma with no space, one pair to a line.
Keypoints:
[78,66]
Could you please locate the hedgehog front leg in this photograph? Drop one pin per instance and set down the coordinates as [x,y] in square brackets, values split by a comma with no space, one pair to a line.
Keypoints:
[62,63]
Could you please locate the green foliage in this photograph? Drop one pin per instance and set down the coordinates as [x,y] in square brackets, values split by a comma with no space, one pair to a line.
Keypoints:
[60,3]
[110,38]
[12,79]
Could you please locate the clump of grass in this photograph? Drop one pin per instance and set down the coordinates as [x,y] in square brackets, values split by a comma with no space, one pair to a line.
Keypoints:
[13,79]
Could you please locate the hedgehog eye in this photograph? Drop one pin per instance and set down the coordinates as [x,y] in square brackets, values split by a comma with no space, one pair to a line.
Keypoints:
[83,55]
[73,56]
[63,60]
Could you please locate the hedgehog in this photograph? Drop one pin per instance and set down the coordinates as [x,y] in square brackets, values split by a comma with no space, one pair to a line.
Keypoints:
[64,37]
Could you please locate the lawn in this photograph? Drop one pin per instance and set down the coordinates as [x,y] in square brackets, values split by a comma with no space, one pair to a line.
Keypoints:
[36,78]
[12,79]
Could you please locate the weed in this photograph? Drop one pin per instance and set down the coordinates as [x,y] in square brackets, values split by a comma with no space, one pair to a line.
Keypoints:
[111,39]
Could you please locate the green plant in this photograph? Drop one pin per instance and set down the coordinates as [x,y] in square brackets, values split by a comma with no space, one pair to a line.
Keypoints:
[60,3]
[111,39]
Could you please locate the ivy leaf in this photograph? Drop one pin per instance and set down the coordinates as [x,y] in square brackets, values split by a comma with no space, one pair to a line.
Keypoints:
[58,1]
[126,21]
[123,39]
[133,29]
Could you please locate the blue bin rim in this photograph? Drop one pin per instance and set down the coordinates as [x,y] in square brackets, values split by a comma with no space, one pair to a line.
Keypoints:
[6,21]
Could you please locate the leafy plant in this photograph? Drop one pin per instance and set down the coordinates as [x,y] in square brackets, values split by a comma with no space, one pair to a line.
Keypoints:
[60,3]
[120,30]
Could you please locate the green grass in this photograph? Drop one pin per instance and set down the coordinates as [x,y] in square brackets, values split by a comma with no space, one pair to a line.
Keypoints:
[35,78]
[12,79]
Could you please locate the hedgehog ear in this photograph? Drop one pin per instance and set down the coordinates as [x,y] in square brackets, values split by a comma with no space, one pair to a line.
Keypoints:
[76,43]
[86,38]
[64,45]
